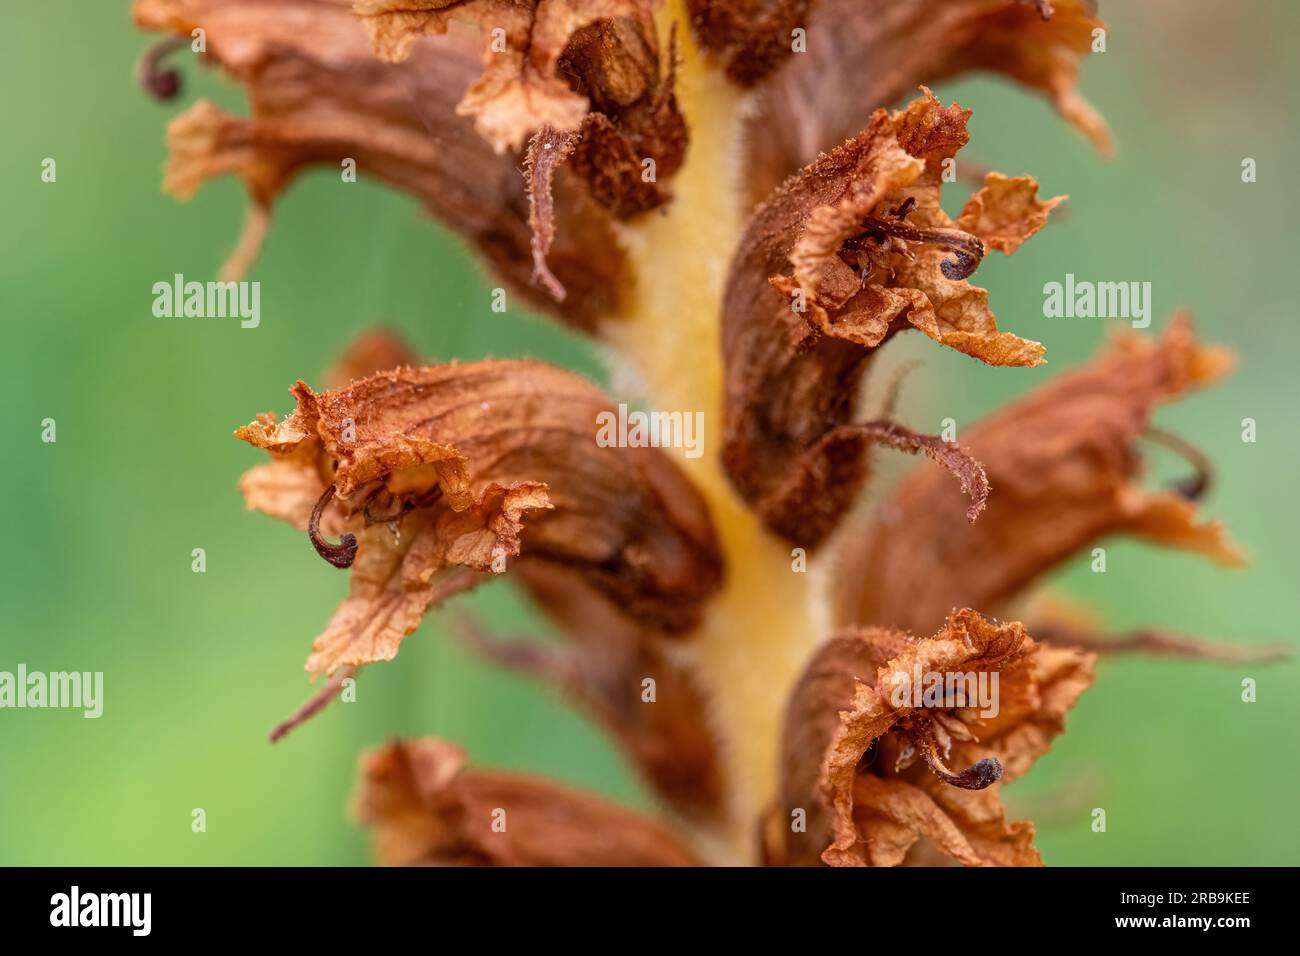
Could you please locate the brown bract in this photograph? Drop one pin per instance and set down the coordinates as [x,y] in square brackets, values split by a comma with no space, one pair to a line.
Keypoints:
[455,458]
[851,250]
[850,750]
[1065,466]
[428,809]
[319,96]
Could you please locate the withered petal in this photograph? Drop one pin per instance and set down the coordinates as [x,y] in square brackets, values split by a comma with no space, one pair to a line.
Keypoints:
[467,452]
[318,95]
[1006,211]
[823,277]
[374,350]
[522,87]
[891,815]
[394,582]
[1064,465]
[809,503]
[864,54]
[427,808]
[843,707]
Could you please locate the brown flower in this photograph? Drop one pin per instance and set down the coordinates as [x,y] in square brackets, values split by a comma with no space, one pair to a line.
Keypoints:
[848,252]
[1065,465]
[455,459]
[872,766]
[318,95]
[671,177]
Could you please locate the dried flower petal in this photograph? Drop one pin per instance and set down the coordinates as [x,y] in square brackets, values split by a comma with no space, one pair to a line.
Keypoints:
[394,582]
[607,659]
[318,96]
[824,275]
[523,87]
[460,455]
[1064,465]
[863,54]
[844,732]
[1005,212]
[427,809]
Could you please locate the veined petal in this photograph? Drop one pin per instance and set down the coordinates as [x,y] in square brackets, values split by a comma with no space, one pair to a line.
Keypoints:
[1064,466]
[318,96]
[851,250]
[844,756]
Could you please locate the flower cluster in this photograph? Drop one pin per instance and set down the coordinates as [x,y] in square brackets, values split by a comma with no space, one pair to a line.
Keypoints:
[717,192]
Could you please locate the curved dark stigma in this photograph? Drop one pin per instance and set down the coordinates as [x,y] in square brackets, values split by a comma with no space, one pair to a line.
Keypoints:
[1192,488]
[340,555]
[161,83]
[977,776]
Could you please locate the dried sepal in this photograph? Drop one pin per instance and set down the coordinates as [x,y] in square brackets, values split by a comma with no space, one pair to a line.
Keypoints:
[1065,466]
[850,251]
[456,458]
[427,808]
[318,96]
[808,504]
[873,773]
[547,150]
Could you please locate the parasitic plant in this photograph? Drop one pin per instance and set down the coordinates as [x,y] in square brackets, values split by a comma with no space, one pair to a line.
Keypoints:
[716,191]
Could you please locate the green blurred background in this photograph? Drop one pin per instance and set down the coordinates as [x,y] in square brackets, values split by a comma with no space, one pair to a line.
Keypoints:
[100,525]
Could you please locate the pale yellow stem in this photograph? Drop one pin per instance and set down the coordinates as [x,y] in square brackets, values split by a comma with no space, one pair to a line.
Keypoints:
[759,631]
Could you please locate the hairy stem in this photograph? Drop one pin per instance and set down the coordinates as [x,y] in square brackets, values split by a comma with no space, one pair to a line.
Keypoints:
[759,631]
